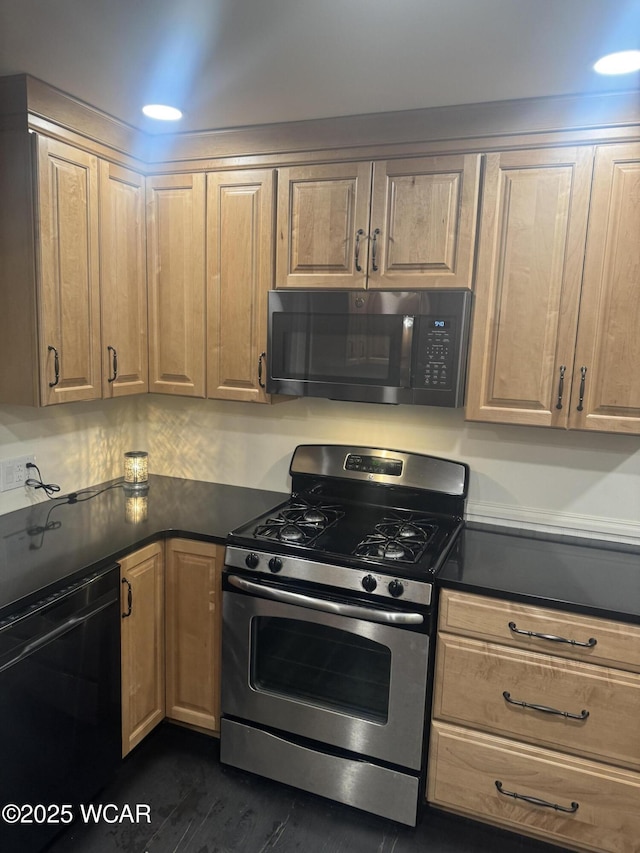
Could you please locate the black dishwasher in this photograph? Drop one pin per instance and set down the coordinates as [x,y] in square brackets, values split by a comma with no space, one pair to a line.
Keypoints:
[60,709]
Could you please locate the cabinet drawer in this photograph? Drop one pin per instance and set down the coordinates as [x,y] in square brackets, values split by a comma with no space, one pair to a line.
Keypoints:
[473,676]
[616,643]
[464,767]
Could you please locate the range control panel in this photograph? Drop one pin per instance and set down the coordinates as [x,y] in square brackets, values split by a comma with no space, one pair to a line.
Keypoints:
[374,465]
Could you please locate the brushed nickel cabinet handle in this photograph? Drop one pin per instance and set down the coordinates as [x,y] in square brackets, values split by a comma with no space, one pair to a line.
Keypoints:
[129,599]
[536,801]
[583,376]
[545,708]
[561,386]
[374,250]
[590,643]
[114,362]
[56,367]
[359,234]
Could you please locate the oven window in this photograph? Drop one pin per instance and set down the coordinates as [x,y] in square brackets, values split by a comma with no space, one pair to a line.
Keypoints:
[321,665]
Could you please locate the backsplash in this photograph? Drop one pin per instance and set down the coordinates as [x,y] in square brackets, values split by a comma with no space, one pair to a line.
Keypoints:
[76,445]
[579,483]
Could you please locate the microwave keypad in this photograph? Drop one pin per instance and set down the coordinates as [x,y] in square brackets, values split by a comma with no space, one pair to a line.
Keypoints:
[437,356]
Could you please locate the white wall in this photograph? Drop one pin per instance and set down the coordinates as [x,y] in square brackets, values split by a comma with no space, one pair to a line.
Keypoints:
[76,445]
[579,482]
[547,479]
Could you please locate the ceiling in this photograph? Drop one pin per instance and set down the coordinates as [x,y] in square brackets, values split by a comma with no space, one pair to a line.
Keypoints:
[230,63]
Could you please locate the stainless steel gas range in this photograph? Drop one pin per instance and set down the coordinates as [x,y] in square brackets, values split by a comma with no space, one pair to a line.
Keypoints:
[327,620]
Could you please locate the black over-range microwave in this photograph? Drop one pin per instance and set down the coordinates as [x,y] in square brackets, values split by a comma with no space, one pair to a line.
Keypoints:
[377,346]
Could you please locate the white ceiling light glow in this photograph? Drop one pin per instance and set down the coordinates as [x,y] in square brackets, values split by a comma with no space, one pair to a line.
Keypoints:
[623,62]
[161,112]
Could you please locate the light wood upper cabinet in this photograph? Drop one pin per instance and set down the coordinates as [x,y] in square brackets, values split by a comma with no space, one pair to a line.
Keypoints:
[425,211]
[72,241]
[527,295]
[142,646]
[321,210]
[69,274]
[176,280]
[193,631]
[403,224]
[240,230]
[123,280]
[608,344]
[555,340]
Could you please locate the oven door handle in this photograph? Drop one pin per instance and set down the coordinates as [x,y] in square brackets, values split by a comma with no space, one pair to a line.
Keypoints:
[388,617]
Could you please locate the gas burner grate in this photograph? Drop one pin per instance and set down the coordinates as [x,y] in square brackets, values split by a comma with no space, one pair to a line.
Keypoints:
[400,538]
[299,522]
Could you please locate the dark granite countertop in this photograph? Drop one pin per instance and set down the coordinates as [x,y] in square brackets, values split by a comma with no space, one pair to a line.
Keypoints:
[48,545]
[586,575]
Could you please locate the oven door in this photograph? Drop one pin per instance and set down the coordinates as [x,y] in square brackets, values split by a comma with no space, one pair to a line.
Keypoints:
[345,681]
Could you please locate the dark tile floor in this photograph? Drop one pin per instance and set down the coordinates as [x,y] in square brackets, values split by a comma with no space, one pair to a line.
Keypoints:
[197,805]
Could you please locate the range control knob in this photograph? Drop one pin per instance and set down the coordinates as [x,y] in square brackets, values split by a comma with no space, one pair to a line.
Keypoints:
[369,583]
[275,564]
[395,588]
[251,560]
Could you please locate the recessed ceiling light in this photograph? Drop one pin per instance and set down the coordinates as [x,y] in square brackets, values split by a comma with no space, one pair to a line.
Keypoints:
[623,62]
[162,112]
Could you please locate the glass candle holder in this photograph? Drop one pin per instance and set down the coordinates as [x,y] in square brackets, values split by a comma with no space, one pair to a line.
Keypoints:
[136,469]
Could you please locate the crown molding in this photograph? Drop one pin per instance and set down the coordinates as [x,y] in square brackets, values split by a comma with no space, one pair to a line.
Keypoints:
[26,101]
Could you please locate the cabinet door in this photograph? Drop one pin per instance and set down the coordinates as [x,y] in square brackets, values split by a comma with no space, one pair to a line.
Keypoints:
[323,221]
[608,345]
[123,282]
[240,218]
[67,241]
[530,257]
[143,660]
[423,222]
[176,276]
[194,623]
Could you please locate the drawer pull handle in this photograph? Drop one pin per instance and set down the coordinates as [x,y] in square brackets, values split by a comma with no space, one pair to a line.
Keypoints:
[536,801]
[591,642]
[545,709]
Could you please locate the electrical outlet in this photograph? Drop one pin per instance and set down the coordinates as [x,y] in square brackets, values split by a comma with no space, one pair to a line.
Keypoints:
[14,472]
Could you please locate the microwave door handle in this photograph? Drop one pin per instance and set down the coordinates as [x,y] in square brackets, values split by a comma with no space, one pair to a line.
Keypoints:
[406,348]
[388,617]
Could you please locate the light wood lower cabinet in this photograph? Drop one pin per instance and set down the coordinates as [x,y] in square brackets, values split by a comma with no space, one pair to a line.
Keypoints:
[465,767]
[535,722]
[143,694]
[171,628]
[193,619]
